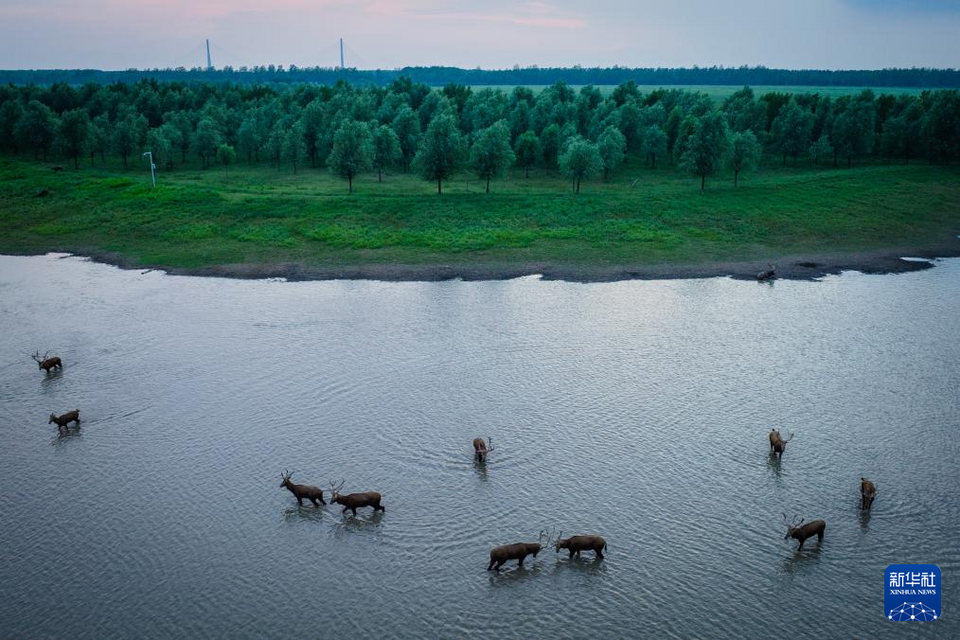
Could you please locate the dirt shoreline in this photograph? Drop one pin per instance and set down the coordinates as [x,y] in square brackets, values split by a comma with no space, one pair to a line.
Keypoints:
[789,267]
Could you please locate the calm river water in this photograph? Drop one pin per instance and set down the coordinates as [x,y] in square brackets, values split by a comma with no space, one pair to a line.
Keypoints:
[636,410]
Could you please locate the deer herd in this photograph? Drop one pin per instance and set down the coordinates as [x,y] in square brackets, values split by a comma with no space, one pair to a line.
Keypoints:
[797,528]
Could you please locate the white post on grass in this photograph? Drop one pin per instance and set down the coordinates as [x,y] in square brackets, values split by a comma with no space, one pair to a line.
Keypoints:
[153,176]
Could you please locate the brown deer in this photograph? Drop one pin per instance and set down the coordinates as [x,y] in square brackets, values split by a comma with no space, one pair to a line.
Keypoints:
[768,274]
[65,419]
[301,491]
[518,551]
[480,448]
[868,491]
[799,531]
[47,363]
[576,544]
[777,443]
[354,501]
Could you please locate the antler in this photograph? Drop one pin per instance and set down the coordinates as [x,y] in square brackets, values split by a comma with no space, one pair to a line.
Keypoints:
[286,474]
[489,443]
[335,488]
[789,438]
[36,356]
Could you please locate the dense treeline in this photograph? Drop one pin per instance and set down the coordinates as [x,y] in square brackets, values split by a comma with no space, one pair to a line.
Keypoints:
[352,129]
[439,76]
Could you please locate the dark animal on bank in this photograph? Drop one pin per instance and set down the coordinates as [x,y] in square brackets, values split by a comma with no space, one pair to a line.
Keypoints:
[354,501]
[769,274]
[301,491]
[57,168]
[480,448]
[576,544]
[47,363]
[799,531]
[65,419]
[868,491]
[518,552]
[777,443]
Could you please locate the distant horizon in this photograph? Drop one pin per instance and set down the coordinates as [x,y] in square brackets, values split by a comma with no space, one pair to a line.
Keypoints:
[492,69]
[491,34]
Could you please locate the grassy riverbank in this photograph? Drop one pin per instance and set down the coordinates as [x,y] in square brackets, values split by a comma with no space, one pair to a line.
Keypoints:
[197,220]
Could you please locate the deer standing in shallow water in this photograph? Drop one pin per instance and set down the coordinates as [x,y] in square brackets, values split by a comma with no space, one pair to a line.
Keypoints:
[799,531]
[301,491]
[47,363]
[480,448]
[868,491]
[517,551]
[576,544]
[354,501]
[777,443]
[64,420]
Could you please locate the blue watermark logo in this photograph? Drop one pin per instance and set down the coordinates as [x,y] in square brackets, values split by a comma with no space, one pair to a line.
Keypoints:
[912,593]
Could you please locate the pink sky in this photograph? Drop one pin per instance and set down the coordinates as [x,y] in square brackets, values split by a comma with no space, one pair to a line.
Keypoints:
[114,34]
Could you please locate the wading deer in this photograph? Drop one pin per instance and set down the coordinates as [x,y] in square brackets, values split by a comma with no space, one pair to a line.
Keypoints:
[868,491]
[301,491]
[518,551]
[576,544]
[480,448]
[47,363]
[777,443]
[769,274]
[799,531]
[354,501]
[65,419]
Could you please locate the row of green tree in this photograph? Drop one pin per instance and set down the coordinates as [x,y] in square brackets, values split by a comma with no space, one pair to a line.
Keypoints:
[533,75]
[352,130]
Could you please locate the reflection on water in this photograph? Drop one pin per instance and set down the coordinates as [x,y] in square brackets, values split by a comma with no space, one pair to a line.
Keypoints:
[635,410]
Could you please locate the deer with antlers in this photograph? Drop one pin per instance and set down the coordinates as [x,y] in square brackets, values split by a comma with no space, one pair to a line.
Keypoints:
[301,491]
[868,491]
[354,501]
[576,544]
[47,363]
[799,531]
[480,448]
[517,551]
[63,421]
[778,443]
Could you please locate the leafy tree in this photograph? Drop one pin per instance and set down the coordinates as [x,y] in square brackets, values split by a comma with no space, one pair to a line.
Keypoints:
[274,145]
[206,140]
[901,134]
[686,129]
[550,144]
[128,135]
[853,129]
[74,132]
[10,112]
[704,149]
[580,161]
[386,149]
[441,150]
[311,122]
[821,149]
[36,127]
[527,151]
[744,154]
[98,138]
[407,127]
[248,138]
[626,92]
[612,146]
[225,156]
[939,126]
[491,153]
[629,124]
[184,124]
[654,144]
[744,113]
[352,151]
[294,149]
[160,146]
[791,130]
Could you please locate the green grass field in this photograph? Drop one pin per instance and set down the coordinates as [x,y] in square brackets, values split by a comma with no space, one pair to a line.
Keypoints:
[197,218]
[722,92]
